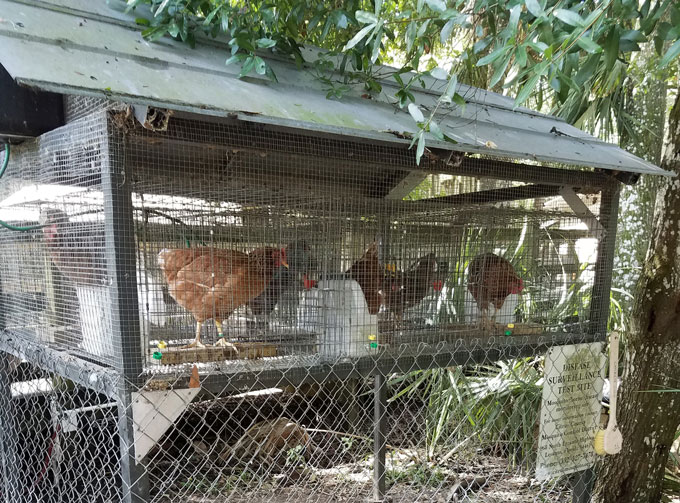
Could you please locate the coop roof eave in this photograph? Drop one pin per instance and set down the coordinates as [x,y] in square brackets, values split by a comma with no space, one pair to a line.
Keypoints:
[45,45]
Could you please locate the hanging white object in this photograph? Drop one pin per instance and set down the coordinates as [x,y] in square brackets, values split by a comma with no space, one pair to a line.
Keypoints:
[95,320]
[613,440]
[153,412]
[338,312]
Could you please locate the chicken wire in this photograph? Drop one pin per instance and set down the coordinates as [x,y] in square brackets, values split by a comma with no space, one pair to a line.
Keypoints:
[382,284]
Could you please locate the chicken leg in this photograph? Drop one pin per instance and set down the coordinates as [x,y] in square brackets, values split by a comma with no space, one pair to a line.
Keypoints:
[197,341]
[486,324]
[221,341]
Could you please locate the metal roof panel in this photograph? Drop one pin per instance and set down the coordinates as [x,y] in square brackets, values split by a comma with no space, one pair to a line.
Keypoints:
[46,44]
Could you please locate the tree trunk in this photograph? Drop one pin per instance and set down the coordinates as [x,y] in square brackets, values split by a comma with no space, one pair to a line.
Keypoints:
[649,420]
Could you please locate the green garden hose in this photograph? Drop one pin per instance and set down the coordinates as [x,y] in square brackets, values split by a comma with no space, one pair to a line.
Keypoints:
[4,224]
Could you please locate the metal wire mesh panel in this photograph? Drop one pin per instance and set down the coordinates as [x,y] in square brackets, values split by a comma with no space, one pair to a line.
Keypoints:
[54,279]
[248,312]
[59,441]
[377,258]
[316,442]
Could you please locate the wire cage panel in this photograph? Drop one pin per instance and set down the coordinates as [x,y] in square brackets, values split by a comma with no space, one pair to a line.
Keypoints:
[321,275]
[287,246]
[54,278]
[313,442]
[379,251]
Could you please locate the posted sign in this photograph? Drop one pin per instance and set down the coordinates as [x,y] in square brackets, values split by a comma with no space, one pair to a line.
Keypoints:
[570,411]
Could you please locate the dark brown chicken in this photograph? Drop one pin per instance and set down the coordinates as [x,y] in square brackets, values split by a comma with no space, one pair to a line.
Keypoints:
[367,272]
[491,279]
[212,283]
[402,290]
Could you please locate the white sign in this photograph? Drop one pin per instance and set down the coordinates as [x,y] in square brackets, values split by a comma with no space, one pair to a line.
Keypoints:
[570,412]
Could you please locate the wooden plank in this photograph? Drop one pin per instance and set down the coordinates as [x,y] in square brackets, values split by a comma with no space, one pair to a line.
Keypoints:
[504,194]
[529,173]
[249,351]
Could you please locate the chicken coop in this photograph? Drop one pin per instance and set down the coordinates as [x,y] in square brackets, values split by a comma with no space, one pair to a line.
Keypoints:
[218,287]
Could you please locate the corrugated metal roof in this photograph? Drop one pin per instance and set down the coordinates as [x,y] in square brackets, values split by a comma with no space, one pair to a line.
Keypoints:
[89,48]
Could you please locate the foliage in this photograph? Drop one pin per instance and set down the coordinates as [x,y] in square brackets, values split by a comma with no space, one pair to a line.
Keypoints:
[545,49]
[493,406]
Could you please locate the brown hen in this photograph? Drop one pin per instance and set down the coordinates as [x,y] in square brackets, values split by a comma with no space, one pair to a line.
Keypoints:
[491,279]
[212,283]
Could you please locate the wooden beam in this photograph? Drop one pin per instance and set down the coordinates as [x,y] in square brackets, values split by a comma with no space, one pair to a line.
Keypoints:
[528,173]
[505,194]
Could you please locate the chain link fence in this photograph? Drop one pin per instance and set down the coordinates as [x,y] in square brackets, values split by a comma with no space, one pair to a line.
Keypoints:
[223,311]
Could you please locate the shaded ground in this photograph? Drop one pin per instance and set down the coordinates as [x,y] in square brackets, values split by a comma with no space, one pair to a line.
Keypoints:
[334,467]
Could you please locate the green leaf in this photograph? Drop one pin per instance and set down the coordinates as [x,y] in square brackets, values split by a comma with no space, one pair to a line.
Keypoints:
[569,17]
[634,36]
[376,44]
[224,21]
[142,21]
[247,67]
[265,43]
[366,17]
[436,131]
[593,17]
[587,44]
[611,48]
[378,6]
[161,8]
[481,44]
[493,56]
[211,16]
[459,100]
[514,17]
[451,87]
[154,33]
[423,28]
[415,112]
[411,35]
[526,90]
[260,65]
[436,5]
[173,29]
[446,31]
[587,70]
[358,37]
[628,45]
[235,58]
[421,147]
[535,8]
[270,74]
[521,56]
[500,71]
[672,53]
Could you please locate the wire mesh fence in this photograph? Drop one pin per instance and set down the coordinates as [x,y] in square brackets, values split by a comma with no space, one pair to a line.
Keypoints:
[218,309]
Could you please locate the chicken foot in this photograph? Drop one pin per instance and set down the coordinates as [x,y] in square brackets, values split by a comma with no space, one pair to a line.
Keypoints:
[197,342]
[487,324]
[221,341]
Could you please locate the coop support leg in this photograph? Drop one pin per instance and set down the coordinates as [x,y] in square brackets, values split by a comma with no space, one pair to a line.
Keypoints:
[121,260]
[134,478]
[379,446]
[8,436]
[599,306]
